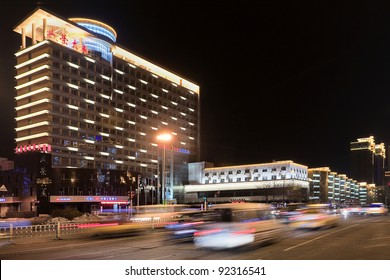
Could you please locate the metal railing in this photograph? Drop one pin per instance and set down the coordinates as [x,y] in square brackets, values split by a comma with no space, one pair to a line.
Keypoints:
[57,230]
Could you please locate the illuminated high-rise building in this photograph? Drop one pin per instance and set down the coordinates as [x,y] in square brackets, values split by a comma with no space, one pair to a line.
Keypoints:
[368,161]
[92,104]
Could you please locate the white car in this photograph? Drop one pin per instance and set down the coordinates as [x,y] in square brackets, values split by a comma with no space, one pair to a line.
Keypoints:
[239,224]
[376,209]
[314,218]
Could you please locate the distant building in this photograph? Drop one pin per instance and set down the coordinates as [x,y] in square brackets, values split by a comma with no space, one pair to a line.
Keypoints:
[327,186]
[386,189]
[368,161]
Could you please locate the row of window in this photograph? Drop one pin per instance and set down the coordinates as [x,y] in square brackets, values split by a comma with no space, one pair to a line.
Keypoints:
[90,67]
[59,161]
[256,170]
[119,118]
[239,179]
[128,95]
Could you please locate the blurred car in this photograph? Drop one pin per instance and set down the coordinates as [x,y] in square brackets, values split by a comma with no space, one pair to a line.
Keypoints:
[15,222]
[376,209]
[144,218]
[314,217]
[186,224]
[239,224]
[111,216]
[353,210]
[291,209]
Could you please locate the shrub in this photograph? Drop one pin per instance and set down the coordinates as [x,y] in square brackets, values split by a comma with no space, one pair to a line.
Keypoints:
[67,213]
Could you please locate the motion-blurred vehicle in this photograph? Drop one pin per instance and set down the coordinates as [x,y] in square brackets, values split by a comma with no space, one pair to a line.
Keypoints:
[239,224]
[315,216]
[291,209]
[376,209]
[353,210]
[15,222]
[110,217]
[187,223]
[140,219]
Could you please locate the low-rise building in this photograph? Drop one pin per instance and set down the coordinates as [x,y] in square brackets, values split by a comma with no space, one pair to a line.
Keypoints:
[277,182]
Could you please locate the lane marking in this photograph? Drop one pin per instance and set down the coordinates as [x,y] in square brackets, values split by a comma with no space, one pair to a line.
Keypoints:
[318,237]
[377,238]
[377,245]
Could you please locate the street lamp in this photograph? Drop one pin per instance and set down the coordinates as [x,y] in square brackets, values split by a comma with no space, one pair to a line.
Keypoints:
[283,176]
[164,138]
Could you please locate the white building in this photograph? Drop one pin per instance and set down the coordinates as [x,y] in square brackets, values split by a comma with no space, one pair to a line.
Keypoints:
[278,182]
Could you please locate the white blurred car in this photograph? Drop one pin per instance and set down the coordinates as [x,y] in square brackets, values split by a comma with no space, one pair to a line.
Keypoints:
[314,218]
[376,209]
[239,224]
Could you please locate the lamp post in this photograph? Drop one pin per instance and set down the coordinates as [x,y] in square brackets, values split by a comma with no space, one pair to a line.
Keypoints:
[165,138]
[283,176]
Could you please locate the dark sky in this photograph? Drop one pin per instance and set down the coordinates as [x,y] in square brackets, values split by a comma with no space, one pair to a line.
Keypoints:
[278,79]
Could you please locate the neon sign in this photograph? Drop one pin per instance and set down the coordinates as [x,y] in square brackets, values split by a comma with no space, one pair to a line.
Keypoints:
[64,199]
[176,149]
[108,198]
[33,148]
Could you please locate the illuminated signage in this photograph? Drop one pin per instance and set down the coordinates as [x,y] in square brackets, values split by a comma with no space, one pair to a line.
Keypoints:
[108,198]
[181,150]
[95,199]
[63,39]
[101,198]
[63,199]
[33,148]
[176,149]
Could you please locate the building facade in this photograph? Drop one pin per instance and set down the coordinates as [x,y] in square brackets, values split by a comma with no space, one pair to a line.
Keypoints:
[330,187]
[6,164]
[368,161]
[278,182]
[94,105]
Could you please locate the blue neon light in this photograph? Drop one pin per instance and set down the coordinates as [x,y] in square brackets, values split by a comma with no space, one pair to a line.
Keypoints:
[98,30]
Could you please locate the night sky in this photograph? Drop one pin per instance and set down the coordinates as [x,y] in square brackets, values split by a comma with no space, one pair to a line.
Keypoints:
[279,80]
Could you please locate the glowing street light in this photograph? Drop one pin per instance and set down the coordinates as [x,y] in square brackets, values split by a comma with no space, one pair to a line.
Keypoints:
[164,138]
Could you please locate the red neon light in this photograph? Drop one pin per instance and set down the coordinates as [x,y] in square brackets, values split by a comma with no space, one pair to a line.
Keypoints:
[248,231]
[84,49]
[63,39]
[33,147]
[74,45]
[50,33]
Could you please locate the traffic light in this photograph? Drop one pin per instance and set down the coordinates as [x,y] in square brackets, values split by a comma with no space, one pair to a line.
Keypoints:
[131,194]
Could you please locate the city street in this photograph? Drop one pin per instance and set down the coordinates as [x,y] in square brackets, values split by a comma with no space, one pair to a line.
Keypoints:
[356,238]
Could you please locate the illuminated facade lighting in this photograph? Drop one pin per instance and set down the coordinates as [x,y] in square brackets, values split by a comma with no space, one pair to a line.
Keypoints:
[25,74]
[31,93]
[93,100]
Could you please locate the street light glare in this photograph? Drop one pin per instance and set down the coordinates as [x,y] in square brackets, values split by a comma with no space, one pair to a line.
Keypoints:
[164,137]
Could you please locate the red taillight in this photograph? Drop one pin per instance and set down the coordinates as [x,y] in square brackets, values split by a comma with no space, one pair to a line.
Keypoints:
[247,231]
[206,232]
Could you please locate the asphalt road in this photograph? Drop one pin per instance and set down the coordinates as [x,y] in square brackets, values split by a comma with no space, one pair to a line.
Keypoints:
[356,238]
